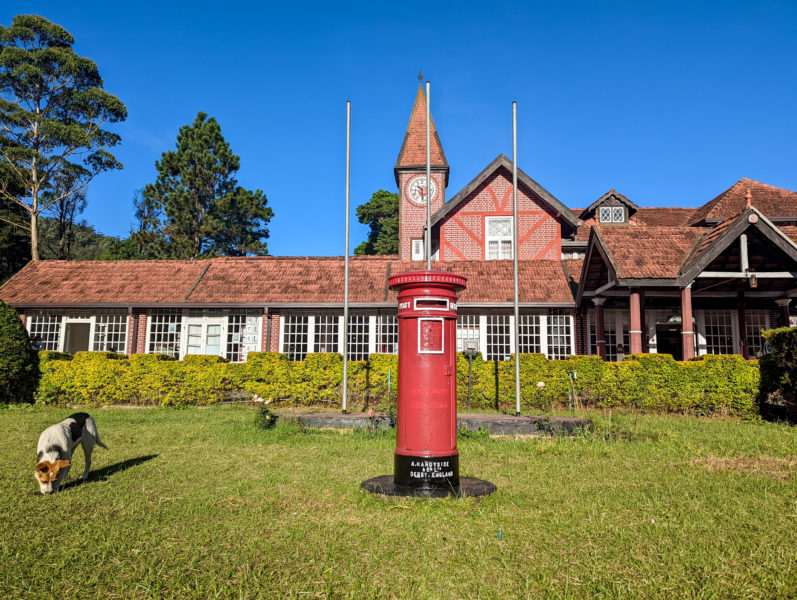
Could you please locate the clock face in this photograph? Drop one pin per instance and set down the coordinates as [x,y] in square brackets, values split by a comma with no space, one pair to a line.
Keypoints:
[416,190]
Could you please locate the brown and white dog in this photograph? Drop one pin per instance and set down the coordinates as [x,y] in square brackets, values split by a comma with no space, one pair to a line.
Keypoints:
[56,444]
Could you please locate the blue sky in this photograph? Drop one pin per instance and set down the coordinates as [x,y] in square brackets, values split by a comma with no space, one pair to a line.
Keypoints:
[669,102]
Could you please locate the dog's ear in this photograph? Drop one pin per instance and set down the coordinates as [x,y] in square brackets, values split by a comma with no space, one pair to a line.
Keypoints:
[62,464]
[43,467]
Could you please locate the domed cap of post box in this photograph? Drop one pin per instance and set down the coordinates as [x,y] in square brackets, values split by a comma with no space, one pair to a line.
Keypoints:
[457,282]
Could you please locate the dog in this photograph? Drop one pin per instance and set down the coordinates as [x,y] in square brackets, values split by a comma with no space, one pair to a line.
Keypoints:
[56,444]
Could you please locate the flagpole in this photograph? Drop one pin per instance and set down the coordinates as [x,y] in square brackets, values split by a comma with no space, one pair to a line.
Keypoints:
[515,254]
[346,265]
[428,243]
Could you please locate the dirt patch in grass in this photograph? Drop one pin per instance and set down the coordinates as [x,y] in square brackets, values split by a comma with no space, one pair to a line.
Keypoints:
[779,468]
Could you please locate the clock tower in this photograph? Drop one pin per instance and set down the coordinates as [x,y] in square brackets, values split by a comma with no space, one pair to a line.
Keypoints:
[414,192]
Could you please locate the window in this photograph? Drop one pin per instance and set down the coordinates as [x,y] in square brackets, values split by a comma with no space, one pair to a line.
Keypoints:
[326,333]
[358,337]
[499,238]
[417,250]
[294,342]
[47,328]
[611,214]
[559,328]
[243,334]
[467,331]
[529,334]
[499,338]
[387,334]
[615,331]
[110,332]
[756,321]
[164,332]
[719,331]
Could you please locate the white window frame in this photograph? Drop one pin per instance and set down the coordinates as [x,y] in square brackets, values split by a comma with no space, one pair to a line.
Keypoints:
[616,324]
[756,319]
[417,249]
[611,213]
[498,238]
[702,342]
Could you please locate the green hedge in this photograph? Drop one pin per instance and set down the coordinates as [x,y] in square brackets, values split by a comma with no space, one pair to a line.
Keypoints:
[779,369]
[725,384]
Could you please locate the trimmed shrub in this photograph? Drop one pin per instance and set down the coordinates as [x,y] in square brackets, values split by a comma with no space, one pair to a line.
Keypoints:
[779,368]
[19,363]
[713,384]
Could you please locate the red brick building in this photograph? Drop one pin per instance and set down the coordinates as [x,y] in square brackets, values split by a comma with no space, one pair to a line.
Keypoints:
[611,279]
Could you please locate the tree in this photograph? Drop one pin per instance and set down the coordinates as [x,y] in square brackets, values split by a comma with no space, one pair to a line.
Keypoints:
[52,113]
[19,363]
[380,213]
[196,207]
[64,209]
[14,236]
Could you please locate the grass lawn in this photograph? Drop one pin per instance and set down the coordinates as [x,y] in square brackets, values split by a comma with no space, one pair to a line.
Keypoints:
[197,503]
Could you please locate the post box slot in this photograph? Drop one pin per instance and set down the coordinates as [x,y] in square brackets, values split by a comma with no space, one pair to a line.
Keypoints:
[431,304]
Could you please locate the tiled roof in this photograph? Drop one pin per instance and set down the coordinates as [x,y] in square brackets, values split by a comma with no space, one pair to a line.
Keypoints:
[770,200]
[644,217]
[102,282]
[651,252]
[267,281]
[413,150]
[790,232]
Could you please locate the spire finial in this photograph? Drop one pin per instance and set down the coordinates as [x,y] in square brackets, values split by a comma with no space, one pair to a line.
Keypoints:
[420,75]
[749,198]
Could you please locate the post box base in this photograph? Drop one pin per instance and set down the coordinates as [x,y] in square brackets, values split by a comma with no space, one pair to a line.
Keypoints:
[426,471]
[468,487]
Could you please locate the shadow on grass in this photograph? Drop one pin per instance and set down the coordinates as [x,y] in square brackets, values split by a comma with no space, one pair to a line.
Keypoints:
[106,472]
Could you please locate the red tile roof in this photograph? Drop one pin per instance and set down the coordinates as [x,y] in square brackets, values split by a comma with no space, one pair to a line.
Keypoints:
[770,200]
[790,232]
[644,217]
[413,150]
[650,252]
[102,282]
[267,281]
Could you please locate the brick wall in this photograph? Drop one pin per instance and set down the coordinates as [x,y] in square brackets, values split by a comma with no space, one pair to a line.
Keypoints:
[412,216]
[270,344]
[462,233]
[141,334]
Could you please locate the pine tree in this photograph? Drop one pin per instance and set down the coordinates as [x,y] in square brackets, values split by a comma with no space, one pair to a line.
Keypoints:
[202,209]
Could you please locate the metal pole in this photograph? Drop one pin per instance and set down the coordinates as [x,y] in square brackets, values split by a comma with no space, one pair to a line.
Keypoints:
[428,183]
[346,265]
[515,253]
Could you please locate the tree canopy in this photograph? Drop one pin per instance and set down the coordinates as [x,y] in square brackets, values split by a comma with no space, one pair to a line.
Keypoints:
[380,213]
[196,207]
[52,113]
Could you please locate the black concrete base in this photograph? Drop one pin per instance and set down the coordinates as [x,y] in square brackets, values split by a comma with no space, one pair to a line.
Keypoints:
[468,487]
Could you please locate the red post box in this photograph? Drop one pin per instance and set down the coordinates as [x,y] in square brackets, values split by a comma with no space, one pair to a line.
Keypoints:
[426,438]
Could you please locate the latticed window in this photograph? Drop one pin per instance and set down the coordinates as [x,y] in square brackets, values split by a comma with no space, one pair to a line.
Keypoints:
[467,331]
[47,328]
[615,330]
[236,325]
[387,334]
[559,328]
[499,238]
[499,338]
[529,334]
[756,321]
[164,332]
[326,333]
[611,214]
[295,337]
[358,337]
[110,332]
[719,331]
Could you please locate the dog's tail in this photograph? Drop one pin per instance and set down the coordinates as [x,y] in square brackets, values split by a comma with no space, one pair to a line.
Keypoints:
[91,426]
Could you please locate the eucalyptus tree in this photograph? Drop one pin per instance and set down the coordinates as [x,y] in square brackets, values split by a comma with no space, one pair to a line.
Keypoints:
[53,111]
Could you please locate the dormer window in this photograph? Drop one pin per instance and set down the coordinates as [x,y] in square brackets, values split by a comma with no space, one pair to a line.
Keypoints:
[611,214]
